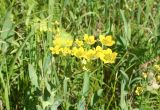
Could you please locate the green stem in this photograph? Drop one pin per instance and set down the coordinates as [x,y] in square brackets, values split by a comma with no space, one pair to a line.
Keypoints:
[114,89]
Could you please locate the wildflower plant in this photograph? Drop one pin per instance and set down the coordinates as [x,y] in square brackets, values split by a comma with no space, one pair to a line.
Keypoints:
[79,50]
[150,81]
[80,72]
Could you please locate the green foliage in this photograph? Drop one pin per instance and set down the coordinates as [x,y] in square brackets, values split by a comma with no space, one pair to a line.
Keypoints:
[32,78]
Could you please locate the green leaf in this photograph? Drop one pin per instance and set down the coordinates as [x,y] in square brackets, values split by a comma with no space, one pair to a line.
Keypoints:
[7,26]
[81,104]
[85,84]
[124,75]
[123,103]
[6,94]
[127,28]
[39,107]
[47,86]
[95,97]
[122,41]
[33,75]
[65,86]
[99,92]
[55,105]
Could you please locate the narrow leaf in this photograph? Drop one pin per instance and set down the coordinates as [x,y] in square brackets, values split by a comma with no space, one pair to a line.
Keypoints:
[32,75]
[86,84]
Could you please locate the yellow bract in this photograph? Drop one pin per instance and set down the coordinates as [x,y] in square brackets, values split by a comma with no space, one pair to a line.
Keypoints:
[57,42]
[89,39]
[108,56]
[139,90]
[65,51]
[99,52]
[106,40]
[74,50]
[145,75]
[90,54]
[157,67]
[56,23]
[79,43]
[55,50]
[69,43]
[65,46]
[78,52]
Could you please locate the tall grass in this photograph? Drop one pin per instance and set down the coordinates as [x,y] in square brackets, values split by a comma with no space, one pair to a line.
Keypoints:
[32,78]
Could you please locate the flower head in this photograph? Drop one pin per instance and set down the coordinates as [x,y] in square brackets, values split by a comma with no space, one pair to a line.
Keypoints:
[157,67]
[78,52]
[139,90]
[57,42]
[65,51]
[158,78]
[62,42]
[90,54]
[106,40]
[69,43]
[56,23]
[99,52]
[55,50]
[89,39]
[145,75]
[108,56]
[79,42]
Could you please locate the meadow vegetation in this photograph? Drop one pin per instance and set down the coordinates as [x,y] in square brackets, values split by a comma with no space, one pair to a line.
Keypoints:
[79,55]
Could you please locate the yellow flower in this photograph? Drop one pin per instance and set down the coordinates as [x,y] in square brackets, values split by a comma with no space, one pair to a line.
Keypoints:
[61,42]
[108,41]
[74,50]
[65,51]
[89,39]
[55,50]
[90,54]
[108,56]
[84,62]
[99,52]
[57,42]
[85,68]
[98,48]
[113,57]
[158,78]
[69,43]
[79,42]
[145,75]
[157,67]
[78,52]
[84,65]
[56,23]
[139,90]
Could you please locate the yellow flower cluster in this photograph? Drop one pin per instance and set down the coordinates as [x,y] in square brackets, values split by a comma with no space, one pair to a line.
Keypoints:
[77,48]
[157,67]
[139,90]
